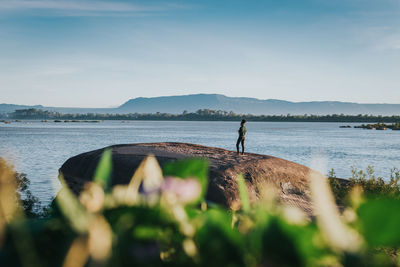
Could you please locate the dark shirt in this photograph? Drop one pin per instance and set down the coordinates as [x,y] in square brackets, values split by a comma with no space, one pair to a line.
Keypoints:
[242,131]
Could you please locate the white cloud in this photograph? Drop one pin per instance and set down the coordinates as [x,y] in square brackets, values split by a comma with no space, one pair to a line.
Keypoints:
[379,38]
[56,71]
[390,42]
[85,7]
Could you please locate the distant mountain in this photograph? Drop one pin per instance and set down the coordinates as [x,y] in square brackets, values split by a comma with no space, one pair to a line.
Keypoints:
[177,104]
[190,103]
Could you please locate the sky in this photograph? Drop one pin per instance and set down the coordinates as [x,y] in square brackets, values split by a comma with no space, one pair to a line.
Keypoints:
[101,53]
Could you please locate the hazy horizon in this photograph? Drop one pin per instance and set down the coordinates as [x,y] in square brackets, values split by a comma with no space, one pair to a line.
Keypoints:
[116,106]
[101,53]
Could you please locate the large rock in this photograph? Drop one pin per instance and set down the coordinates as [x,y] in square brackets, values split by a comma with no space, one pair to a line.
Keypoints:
[261,172]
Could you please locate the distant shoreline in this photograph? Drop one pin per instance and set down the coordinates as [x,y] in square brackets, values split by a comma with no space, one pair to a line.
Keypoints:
[200,115]
[7,121]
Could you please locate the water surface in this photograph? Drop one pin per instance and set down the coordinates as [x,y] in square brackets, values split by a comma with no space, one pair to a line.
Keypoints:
[39,149]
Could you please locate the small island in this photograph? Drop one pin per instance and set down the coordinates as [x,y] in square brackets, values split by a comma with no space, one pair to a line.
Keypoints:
[378,126]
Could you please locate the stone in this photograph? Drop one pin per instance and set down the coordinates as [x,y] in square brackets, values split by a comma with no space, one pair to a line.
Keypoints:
[288,179]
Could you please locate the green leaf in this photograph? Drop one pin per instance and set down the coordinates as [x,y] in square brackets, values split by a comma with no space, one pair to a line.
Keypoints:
[379,221]
[147,232]
[72,209]
[244,196]
[276,244]
[196,168]
[103,171]
[219,244]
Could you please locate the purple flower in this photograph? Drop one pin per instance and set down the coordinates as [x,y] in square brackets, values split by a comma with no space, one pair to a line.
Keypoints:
[186,190]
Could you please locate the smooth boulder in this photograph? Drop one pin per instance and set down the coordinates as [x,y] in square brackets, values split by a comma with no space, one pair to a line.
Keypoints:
[261,172]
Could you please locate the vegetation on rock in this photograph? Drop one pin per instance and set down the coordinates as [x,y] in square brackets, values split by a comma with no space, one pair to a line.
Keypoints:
[368,182]
[380,126]
[23,197]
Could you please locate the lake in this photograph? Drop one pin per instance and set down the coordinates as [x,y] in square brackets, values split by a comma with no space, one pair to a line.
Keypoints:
[39,149]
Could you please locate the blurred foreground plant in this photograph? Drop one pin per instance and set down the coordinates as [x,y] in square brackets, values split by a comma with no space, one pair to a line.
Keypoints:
[161,218]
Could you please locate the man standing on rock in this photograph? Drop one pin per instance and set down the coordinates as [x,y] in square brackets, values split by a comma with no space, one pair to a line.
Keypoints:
[242,134]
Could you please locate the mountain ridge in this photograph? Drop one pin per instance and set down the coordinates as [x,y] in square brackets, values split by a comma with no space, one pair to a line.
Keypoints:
[179,103]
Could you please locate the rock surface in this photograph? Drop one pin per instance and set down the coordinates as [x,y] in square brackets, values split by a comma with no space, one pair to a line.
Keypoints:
[261,172]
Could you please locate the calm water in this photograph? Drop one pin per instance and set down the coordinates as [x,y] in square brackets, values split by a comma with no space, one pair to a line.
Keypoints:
[39,149]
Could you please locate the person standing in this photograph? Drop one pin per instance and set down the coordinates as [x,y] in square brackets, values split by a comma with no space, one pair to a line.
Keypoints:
[242,134]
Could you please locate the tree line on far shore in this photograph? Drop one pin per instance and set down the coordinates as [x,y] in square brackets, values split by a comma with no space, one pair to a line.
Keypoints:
[199,115]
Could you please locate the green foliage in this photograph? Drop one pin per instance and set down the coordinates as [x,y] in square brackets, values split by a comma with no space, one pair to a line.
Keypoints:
[30,204]
[380,126]
[143,233]
[340,188]
[107,228]
[219,244]
[278,244]
[374,224]
[371,185]
[377,186]
[103,171]
[72,209]
[24,198]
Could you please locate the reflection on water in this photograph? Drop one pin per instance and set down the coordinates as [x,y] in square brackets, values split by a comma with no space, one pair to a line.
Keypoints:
[39,149]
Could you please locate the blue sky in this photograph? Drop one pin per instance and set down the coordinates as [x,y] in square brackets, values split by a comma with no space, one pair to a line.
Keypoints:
[83,53]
